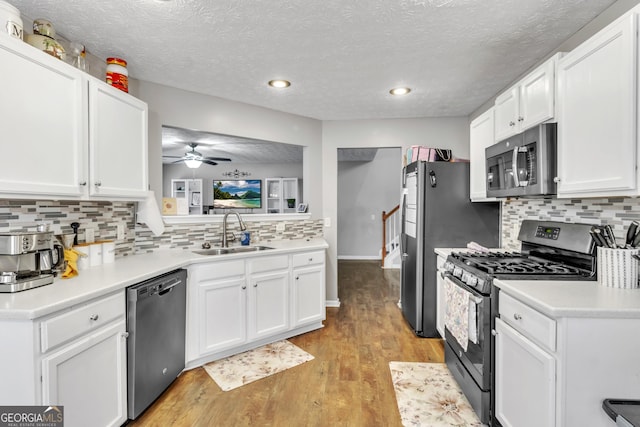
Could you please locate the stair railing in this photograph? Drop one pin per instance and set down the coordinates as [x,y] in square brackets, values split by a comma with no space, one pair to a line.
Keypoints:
[390,231]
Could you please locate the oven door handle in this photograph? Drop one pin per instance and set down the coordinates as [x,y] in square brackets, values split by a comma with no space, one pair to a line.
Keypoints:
[477,295]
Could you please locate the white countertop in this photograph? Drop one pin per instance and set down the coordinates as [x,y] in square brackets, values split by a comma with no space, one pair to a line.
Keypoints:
[574,299]
[107,278]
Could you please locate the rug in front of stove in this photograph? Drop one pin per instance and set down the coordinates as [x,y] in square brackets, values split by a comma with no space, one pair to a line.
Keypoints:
[427,395]
[244,368]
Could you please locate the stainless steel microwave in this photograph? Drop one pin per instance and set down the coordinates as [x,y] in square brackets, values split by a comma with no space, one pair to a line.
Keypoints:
[523,165]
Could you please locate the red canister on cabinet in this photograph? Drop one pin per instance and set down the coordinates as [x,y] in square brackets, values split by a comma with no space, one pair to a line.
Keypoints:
[117,74]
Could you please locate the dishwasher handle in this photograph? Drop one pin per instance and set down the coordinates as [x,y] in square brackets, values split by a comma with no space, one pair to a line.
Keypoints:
[166,288]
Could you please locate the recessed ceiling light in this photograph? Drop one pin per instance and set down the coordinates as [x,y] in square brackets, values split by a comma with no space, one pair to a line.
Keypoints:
[400,91]
[279,83]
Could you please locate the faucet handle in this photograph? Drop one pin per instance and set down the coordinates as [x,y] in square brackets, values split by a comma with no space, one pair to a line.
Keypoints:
[206,245]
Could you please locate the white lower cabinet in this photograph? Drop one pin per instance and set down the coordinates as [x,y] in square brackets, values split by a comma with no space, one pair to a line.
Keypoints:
[525,380]
[236,305]
[268,304]
[76,358]
[89,378]
[556,371]
[308,288]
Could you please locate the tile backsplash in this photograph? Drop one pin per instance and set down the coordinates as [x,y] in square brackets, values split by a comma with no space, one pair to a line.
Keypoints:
[104,217]
[616,212]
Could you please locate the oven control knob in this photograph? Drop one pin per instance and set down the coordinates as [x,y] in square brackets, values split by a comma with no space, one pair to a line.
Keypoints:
[457,272]
[472,280]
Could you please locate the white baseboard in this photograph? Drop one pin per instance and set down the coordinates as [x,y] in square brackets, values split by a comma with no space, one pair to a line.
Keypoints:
[332,303]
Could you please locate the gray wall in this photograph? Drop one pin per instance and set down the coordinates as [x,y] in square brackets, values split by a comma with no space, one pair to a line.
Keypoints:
[208,174]
[365,189]
[176,107]
[444,132]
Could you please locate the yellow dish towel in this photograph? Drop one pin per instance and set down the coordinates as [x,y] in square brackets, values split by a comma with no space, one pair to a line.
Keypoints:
[71,259]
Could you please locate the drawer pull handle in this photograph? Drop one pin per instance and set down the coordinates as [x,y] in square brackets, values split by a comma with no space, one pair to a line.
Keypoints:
[94,317]
[517,316]
[297,277]
[310,259]
[255,286]
[244,287]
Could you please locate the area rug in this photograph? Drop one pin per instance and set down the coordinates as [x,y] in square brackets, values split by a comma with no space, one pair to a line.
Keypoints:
[427,395]
[252,365]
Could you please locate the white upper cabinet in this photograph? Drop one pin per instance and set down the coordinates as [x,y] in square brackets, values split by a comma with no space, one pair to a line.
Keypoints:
[528,103]
[480,137]
[597,140]
[66,134]
[117,143]
[42,117]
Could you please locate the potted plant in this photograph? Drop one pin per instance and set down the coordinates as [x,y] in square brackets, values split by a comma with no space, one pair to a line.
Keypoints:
[291,203]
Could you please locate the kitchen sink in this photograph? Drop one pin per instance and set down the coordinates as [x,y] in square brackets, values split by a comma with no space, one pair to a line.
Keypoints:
[232,250]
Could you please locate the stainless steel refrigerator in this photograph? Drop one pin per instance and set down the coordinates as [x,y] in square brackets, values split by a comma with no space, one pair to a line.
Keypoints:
[437,212]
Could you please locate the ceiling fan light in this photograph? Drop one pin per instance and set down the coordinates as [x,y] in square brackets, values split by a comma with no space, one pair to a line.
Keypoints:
[193,163]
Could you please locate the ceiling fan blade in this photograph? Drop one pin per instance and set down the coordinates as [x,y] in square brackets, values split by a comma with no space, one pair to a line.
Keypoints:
[178,161]
[209,162]
[173,157]
[220,159]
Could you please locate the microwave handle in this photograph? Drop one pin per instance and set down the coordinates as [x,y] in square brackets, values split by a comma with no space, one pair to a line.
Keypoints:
[514,167]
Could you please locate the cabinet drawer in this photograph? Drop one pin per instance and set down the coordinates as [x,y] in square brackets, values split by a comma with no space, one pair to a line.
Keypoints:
[216,270]
[268,263]
[309,258]
[79,321]
[529,322]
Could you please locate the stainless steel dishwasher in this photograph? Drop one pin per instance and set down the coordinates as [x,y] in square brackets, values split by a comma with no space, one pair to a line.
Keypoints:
[156,318]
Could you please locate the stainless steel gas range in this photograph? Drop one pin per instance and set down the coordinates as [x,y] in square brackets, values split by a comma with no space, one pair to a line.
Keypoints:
[550,251]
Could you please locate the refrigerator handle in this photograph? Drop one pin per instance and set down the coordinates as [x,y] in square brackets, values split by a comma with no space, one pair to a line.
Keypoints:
[432,179]
[403,212]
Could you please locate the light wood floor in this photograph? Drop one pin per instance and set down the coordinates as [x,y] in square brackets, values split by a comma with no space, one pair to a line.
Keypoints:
[347,384]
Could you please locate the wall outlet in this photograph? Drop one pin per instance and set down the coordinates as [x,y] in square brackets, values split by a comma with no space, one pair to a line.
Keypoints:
[327,222]
[120,233]
[280,227]
[89,235]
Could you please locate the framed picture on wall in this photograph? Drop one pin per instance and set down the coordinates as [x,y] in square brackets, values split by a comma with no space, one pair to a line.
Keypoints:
[302,208]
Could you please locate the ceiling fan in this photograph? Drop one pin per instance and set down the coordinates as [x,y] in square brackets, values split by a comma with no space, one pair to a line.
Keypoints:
[193,159]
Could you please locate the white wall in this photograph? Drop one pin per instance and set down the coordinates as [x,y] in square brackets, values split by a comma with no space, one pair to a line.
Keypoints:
[176,107]
[442,132]
[365,189]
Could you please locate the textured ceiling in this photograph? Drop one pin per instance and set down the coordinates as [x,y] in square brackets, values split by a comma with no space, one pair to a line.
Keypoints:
[342,57]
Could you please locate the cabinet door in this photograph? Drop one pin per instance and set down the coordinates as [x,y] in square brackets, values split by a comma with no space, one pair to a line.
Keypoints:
[42,118]
[506,114]
[89,378]
[308,295]
[222,310]
[480,137]
[537,95]
[117,143]
[525,381]
[596,117]
[268,304]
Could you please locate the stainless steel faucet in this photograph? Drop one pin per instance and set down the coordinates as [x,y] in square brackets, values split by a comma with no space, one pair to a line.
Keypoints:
[224,227]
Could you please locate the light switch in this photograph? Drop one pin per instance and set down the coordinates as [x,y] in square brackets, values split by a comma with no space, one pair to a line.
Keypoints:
[327,222]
